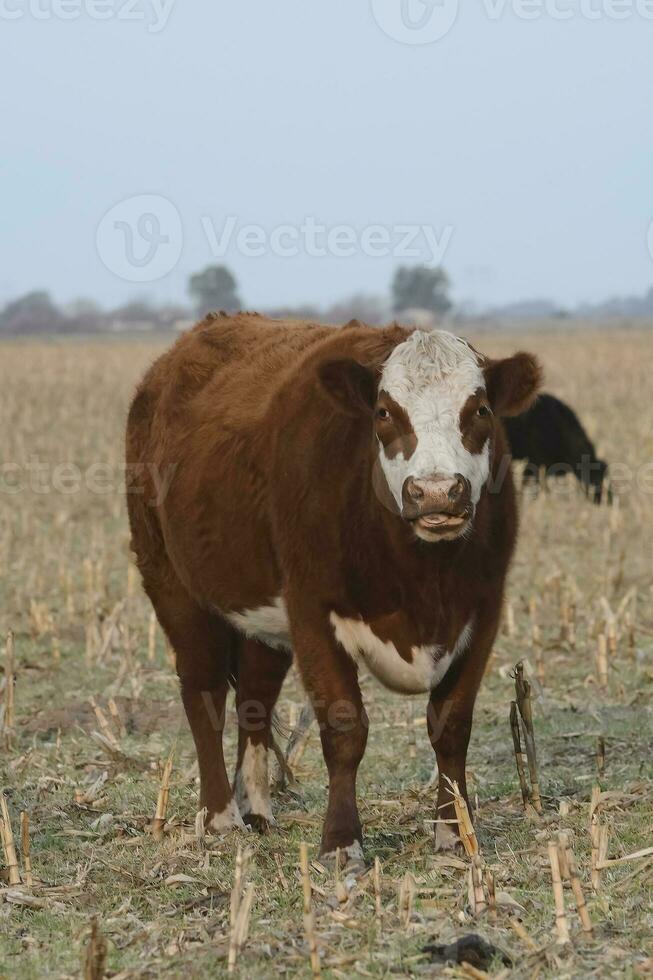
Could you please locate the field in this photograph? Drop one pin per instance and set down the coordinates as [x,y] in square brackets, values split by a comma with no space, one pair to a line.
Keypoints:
[89,782]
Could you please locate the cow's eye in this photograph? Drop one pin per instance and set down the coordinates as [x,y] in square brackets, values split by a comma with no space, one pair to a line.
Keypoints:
[484,411]
[383,414]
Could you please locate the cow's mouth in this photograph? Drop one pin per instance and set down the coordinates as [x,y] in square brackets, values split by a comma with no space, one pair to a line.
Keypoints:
[440,525]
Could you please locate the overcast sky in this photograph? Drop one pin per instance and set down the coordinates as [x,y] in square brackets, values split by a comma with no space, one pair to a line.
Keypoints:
[524,146]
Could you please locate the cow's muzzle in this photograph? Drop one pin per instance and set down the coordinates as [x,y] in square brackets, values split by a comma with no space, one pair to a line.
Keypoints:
[438,506]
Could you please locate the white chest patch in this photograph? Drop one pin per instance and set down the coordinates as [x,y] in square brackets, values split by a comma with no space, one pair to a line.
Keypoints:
[428,666]
[269,624]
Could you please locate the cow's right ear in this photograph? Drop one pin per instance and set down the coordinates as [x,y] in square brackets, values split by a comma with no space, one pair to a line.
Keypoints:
[350,385]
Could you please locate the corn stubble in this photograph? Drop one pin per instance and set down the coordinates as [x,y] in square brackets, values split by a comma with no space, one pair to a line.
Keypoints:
[550,869]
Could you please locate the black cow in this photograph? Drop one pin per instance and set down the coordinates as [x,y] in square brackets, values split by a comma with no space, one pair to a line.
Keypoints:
[550,437]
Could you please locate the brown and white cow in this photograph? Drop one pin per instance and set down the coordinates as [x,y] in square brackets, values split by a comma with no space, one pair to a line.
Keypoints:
[342,496]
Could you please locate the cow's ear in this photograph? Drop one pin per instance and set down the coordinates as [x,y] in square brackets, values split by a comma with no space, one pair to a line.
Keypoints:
[350,385]
[512,383]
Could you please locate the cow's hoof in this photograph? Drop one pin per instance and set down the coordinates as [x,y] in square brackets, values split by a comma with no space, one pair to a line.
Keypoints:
[352,861]
[226,820]
[258,822]
[447,839]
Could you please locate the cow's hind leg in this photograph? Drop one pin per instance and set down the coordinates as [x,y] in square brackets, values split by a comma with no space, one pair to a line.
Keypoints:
[261,673]
[204,647]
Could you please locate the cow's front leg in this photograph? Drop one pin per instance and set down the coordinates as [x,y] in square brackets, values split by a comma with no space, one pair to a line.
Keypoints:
[449,718]
[331,682]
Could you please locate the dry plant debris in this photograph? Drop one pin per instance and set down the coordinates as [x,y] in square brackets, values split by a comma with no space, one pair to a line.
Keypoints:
[80,786]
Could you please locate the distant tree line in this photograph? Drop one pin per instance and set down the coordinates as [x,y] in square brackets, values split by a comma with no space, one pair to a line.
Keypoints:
[414,289]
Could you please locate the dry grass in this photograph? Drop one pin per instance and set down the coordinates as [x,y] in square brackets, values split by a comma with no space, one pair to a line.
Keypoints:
[96,716]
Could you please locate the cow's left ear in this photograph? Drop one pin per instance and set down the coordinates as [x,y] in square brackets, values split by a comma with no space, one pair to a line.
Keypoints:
[512,383]
[349,384]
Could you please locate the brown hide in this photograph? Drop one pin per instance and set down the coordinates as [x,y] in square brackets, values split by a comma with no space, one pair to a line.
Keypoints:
[275,492]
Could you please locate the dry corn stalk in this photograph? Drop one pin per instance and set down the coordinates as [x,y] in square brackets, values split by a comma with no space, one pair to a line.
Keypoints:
[158,822]
[576,887]
[25,848]
[200,827]
[476,891]
[9,715]
[407,890]
[377,888]
[509,621]
[606,862]
[602,660]
[103,722]
[241,926]
[611,637]
[116,717]
[491,895]
[96,954]
[563,843]
[564,616]
[236,891]
[8,845]
[70,602]
[519,754]
[536,640]
[132,577]
[39,616]
[90,795]
[562,926]
[471,971]
[236,898]
[525,706]
[309,920]
[532,612]
[56,642]
[571,625]
[600,755]
[595,801]
[465,826]
[412,748]
[600,839]
[629,626]
[240,909]
[517,927]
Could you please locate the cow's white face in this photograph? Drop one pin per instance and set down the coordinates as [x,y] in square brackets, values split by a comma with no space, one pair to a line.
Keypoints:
[433,426]
[432,404]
